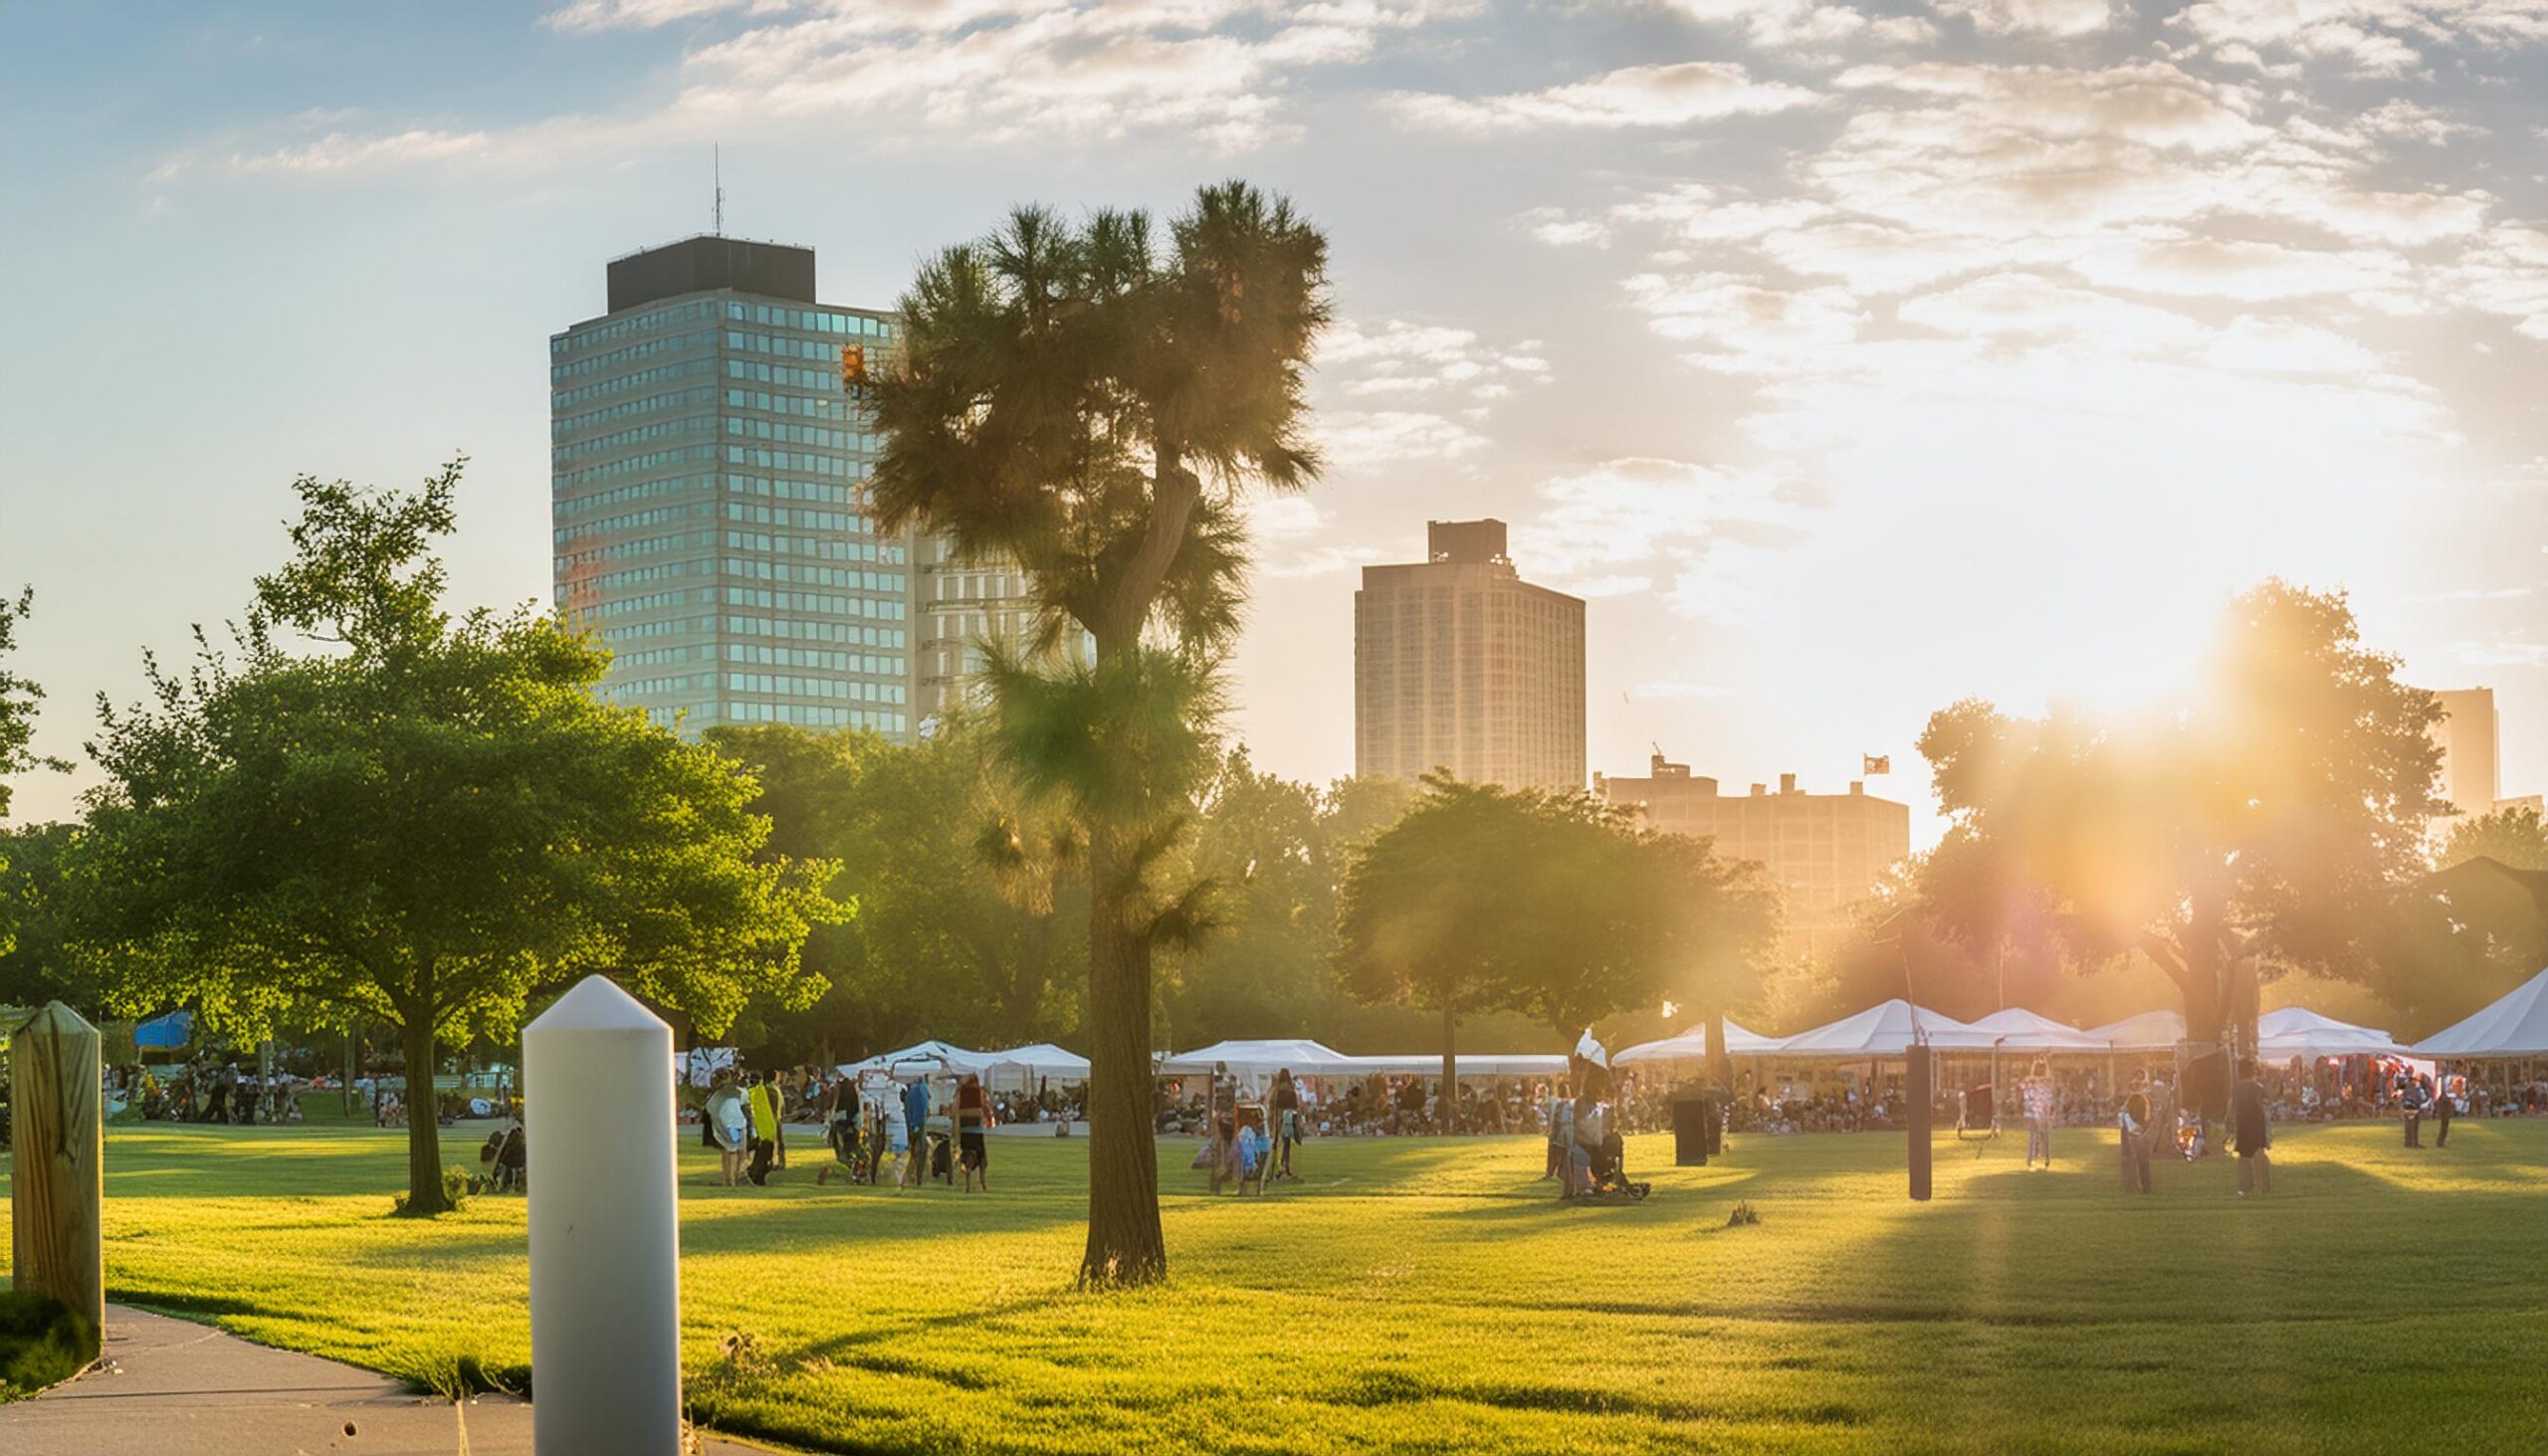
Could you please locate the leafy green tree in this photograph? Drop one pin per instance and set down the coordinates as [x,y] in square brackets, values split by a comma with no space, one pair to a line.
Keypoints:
[19,699]
[1257,834]
[2473,928]
[1092,406]
[1723,918]
[2266,824]
[1426,905]
[963,893]
[2515,837]
[38,967]
[422,819]
[1555,906]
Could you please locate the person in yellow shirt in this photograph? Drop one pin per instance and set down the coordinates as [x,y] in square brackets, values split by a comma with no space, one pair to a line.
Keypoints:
[764,1105]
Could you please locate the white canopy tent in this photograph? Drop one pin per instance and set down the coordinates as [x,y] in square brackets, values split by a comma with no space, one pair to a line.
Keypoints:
[2515,1026]
[2016,1029]
[1019,1069]
[1254,1063]
[2151,1031]
[1692,1046]
[914,1060]
[2297,1031]
[1882,1032]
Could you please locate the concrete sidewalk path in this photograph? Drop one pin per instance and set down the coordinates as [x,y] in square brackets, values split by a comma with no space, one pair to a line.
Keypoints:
[167,1386]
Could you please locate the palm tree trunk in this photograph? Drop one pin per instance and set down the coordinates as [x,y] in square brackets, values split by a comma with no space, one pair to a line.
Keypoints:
[1124,1245]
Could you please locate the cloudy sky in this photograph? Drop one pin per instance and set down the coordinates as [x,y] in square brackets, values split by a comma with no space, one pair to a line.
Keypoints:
[1850,359]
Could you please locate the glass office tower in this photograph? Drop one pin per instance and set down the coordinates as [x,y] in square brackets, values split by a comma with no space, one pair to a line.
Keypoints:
[709,495]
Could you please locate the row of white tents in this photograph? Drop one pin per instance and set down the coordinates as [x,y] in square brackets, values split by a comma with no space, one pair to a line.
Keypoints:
[1018,1069]
[2515,1026]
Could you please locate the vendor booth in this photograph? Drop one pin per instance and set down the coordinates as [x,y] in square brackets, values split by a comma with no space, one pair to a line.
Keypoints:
[1030,1068]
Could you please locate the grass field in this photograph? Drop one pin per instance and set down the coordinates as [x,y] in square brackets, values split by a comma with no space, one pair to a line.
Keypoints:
[1424,1295]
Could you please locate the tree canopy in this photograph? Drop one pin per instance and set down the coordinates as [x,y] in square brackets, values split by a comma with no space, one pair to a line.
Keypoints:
[2513,836]
[2261,825]
[1555,906]
[368,808]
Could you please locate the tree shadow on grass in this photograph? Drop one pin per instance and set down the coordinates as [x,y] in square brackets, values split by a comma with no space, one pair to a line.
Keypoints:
[2053,1312]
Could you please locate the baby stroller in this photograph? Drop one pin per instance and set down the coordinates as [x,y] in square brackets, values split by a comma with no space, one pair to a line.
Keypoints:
[2192,1138]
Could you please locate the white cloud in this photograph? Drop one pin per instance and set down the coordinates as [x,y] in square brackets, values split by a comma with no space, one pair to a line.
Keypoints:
[2369,37]
[1806,26]
[1741,326]
[1679,95]
[975,73]
[1614,527]
[2031,16]
[1359,440]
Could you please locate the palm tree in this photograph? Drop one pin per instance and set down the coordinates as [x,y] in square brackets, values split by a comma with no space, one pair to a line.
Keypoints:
[1093,406]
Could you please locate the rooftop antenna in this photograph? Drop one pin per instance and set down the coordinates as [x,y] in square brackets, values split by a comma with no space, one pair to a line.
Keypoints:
[717,165]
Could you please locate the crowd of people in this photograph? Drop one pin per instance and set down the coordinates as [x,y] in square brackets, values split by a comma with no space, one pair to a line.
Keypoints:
[875,1125]
[208,1090]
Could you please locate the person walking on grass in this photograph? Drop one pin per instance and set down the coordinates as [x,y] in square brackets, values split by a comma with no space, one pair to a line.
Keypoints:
[840,1129]
[779,1095]
[2442,1111]
[1283,1105]
[973,1120]
[2134,1124]
[916,1120]
[2414,1100]
[2251,1134]
[2034,1095]
[763,1100]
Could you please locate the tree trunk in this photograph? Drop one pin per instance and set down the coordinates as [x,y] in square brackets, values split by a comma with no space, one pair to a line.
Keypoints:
[1720,1061]
[2240,994]
[1124,1241]
[424,1133]
[1451,1061]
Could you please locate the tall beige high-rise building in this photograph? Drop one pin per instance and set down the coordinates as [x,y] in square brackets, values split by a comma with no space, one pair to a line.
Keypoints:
[2470,741]
[1827,851]
[1460,664]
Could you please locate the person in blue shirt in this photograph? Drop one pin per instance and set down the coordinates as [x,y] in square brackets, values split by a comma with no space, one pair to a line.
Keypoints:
[916,1118]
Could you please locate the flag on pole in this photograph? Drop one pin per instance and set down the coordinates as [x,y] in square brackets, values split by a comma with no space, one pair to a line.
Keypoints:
[1873,763]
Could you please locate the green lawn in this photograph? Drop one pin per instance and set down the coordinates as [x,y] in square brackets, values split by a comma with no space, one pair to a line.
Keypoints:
[1429,1296]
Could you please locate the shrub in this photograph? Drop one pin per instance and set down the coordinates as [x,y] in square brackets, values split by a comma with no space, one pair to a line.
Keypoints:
[42,1343]
[455,1191]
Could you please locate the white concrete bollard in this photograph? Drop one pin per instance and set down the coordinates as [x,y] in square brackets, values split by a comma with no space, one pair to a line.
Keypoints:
[605,1227]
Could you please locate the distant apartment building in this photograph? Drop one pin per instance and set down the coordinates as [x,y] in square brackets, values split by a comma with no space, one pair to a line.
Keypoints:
[708,499]
[2470,738]
[1460,664]
[968,609]
[1827,851]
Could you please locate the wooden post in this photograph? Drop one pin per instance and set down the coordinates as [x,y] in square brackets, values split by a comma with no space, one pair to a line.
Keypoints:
[58,1184]
[606,1231]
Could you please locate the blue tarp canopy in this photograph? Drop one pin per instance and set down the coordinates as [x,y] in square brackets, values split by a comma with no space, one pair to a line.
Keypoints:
[172,1030]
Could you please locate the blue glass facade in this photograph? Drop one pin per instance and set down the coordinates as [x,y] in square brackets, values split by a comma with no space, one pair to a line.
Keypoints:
[709,512]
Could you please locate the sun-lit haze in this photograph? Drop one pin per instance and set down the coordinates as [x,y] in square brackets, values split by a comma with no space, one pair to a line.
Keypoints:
[1848,359]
